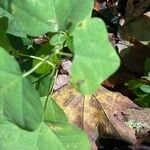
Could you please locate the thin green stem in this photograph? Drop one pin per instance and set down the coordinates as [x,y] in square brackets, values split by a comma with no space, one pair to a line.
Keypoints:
[35,57]
[65,54]
[51,85]
[34,68]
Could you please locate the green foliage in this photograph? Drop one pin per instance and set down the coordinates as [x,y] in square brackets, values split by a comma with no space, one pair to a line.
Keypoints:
[3,38]
[53,113]
[141,87]
[17,97]
[50,16]
[60,137]
[92,51]
[29,117]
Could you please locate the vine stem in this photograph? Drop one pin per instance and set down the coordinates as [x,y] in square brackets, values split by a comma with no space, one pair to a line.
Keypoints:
[35,67]
[50,89]
[38,58]
[65,54]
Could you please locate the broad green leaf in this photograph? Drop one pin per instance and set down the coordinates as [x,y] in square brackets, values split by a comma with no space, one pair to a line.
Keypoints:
[14,138]
[37,17]
[13,27]
[70,12]
[60,137]
[5,4]
[71,137]
[20,103]
[94,57]
[53,112]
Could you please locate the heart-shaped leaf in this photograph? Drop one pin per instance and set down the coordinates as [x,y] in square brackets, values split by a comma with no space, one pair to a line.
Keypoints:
[95,59]
[50,15]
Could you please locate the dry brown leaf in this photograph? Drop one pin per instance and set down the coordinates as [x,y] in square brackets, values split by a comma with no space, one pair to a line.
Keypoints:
[135,56]
[135,8]
[138,28]
[99,114]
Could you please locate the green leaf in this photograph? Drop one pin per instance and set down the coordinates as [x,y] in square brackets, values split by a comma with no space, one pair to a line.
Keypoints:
[58,39]
[134,84]
[20,103]
[5,4]
[13,27]
[50,15]
[145,88]
[46,50]
[95,59]
[144,101]
[42,84]
[43,138]
[55,137]
[53,113]
[71,137]
[4,42]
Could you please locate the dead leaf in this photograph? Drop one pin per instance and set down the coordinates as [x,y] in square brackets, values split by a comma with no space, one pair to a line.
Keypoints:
[99,114]
[138,28]
[133,58]
[135,8]
[141,118]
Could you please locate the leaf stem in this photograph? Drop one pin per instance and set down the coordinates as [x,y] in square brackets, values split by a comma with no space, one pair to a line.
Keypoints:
[35,67]
[38,58]
[51,85]
[65,54]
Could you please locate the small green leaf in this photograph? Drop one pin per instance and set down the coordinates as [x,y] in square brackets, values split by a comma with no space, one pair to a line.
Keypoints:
[134,84]
[145,88]
[58,39]
[20,103]
[94,57]
[46,50]
[69,42]
[144,101]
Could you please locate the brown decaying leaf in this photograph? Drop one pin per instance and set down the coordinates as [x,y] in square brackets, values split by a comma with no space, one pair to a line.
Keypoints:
[134,57]
[99,114]
[135,8]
